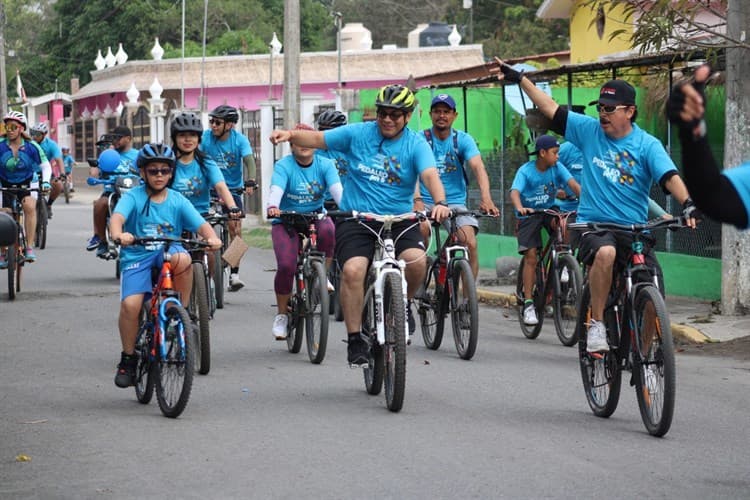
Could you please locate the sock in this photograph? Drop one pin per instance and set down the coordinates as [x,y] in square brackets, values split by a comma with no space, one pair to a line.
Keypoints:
[235,270]
[353,334]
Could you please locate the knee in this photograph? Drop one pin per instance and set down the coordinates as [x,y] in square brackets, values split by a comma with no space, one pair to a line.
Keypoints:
[353,272]
[605,256]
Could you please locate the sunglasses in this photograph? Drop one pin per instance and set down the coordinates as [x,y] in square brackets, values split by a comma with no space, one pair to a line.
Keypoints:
[158,171]
[216,122]
[608,110]
[12,127]
[394,115]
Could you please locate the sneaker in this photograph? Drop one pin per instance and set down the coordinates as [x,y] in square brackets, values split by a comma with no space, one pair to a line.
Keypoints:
[564,275]
[331,288]
[280,323]
[30,255]
[102,251]
[93,243]
[596,337]
[529,315]
[357,351]
[125,375]
[235,283]
[49,210]
[3,262]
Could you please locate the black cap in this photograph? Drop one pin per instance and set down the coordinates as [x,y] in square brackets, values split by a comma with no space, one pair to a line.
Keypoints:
[616,92]
[122,131]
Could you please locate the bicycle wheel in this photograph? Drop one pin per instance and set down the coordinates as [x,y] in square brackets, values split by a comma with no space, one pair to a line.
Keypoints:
[601,374]
[464,309]
[11,256]
[567,288]
[199,312]
[219,269]
[530,331]
[430,308]
[175,369]
[335,304]
[373,372]
[41,223]
[316,312]
[295,325]
[144,378]
[394,318]
[654,364]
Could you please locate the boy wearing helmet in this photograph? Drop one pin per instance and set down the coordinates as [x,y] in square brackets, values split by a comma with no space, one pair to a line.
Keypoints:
[54,156]
[232,152]
[151,209]
[386,159]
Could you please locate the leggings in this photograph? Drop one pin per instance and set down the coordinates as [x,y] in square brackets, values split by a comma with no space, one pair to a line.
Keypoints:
[285,246]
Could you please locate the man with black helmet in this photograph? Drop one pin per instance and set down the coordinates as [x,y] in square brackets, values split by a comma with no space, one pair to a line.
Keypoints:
[328,119]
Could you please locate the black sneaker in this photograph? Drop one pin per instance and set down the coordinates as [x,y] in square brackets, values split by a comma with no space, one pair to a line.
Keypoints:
[125,376]
[358,351]
[49,210]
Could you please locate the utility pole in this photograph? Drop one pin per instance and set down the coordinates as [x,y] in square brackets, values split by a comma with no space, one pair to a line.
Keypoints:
[3,79]
[291,63]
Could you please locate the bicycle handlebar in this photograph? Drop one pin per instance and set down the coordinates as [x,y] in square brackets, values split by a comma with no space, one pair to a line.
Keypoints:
[675,223]
[188,242]
[19,189]
[368,216]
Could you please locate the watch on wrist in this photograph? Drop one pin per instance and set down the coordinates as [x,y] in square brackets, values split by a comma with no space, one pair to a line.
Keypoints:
[441,203]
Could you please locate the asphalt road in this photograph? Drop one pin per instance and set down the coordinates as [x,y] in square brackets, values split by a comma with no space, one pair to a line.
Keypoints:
[511,423]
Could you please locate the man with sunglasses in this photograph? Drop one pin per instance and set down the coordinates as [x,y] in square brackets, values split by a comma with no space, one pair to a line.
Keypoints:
[386,159]
[39,133]
[621,161]
[233,154]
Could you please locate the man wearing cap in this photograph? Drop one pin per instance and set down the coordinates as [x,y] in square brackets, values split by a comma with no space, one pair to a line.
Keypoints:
[621,161]
[535,188]
[453,149]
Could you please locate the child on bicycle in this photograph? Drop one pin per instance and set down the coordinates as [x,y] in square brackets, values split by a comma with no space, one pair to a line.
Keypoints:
[151,209]
[534,188]
[299,183]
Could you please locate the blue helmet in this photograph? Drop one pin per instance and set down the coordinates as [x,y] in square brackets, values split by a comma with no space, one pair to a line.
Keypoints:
[155,152]
[109,160]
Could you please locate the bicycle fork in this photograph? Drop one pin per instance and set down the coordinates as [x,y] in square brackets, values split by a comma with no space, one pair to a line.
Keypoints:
[380,273]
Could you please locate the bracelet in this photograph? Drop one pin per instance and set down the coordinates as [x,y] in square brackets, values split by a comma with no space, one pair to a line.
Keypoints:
[441,203]
[418,199]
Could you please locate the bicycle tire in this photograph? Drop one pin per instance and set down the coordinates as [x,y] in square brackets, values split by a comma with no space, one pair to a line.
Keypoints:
[430,306]
[41,223]
[175,380]
[335,304]
[316,312]
[530,331]
[11,256]
[199,309]
[295,325]
[394,318]
[219,268]
[601,376]
[654,368]
[144,375]
[566,299]
[374,370]
[464,309]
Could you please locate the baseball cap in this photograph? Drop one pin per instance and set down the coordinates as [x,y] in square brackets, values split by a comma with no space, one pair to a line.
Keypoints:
[443,99]
[122,131]
[616,92]
[546,142]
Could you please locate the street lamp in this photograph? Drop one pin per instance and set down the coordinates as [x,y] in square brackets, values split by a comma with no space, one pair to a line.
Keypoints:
[339,18]
[275,49]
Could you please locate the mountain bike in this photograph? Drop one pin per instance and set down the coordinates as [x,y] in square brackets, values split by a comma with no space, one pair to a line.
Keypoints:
[201,309]
[66,186]
[557,282]
[15,254]
[638,332]
[164,344]
[449,287]
[308,305]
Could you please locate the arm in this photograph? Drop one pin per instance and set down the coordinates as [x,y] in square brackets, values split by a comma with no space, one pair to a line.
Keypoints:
[515,198]
[574,186]
[480,174]
[225,195]
[431,180]
[206,232]
[116,223]
[248,162]
[304,138]
[418,201]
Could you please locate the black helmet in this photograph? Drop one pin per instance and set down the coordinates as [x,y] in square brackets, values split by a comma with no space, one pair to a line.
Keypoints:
[226,113]
[155,152]
[185,121]
[395,96]
[331,118]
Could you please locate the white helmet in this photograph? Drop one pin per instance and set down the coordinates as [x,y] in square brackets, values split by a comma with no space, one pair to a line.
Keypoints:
[39,128]
[16,116]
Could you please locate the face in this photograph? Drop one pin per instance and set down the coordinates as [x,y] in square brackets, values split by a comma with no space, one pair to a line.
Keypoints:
[122,143]
[13,129]
[187,142]
[392,121]
[37,137]
[615,119]
[157,174]
[303,156]
[218,126]
[442,116]
[549,156]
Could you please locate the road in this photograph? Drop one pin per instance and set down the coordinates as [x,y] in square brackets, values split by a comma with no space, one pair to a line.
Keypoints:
[511,423]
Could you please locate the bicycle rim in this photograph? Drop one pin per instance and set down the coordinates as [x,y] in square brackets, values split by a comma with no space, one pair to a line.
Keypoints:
[144,380]
[373,371]
[199,307]
[654,366]
[219,269]
[294,326]
[464,309]
[41,223]
[529,331]
[175,379]
[11,254]
[430,310]
[394,317]
[317,312]
[566,299]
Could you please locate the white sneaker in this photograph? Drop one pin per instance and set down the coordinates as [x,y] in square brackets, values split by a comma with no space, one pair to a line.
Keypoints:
[564,276]
[331,288]
[596,338]
[279,326]
[235,283]
[529,315]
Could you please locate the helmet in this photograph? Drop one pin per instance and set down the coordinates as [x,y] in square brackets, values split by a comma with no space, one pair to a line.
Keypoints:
[185,122]
[109,160]
[155,152]
[395,96]
[39,128]
[16,116]
[226,113]
[331,118]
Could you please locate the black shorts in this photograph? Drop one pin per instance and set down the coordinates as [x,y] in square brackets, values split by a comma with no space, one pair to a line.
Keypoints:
[355,240]
[20,195]
[529,232]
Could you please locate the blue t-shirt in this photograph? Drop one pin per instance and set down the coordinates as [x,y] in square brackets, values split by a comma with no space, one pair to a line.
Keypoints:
[304,187]
[572,159]
[127,166]
[228,155]
[537,188]
[618,173]
[195,183]
[20,169]
[168,218]
[740,179]
[69,162]
[450,166]
[51,149]
[382,172]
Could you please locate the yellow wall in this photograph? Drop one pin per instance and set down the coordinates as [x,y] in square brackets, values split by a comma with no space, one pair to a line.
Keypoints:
[585,44]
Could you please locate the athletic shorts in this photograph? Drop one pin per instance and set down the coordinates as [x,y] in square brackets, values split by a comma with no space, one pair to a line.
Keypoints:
[137,277]
[355,240]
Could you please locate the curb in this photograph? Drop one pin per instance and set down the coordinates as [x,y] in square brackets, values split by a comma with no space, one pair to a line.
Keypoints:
[681,332]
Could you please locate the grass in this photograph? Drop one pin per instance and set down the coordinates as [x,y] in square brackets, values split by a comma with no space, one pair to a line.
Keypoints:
[259,237]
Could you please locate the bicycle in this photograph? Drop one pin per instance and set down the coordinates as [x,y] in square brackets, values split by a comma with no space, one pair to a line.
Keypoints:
[557,282]
[42,220]
[15,254]
[449,287]
[634,311]
[201,309]
[66,186]
[384,312]
[308,304]
[164,345]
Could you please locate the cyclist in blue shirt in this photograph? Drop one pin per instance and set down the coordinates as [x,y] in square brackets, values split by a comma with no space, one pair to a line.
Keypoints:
[54,156]
[535,188]
[386,158]
[327,120]
[621,163]
[151,209]
[299,183]
[20,158]
[68,162]
[721,195]
[232,152]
